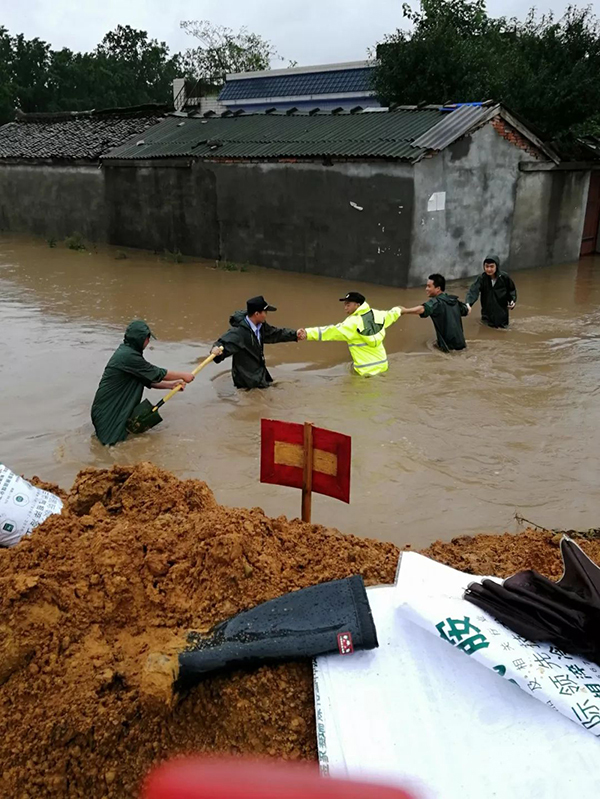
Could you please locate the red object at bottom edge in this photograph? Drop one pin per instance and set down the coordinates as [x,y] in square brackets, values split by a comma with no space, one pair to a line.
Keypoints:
[199,778]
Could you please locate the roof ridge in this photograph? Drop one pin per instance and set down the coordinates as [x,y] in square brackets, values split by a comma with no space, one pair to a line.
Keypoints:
[125,112]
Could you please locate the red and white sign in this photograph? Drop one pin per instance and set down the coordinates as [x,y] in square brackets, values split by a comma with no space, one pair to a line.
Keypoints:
[283,453]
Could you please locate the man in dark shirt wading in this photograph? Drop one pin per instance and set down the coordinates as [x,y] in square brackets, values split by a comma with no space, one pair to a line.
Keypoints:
[445,311]
[498,293]
[245,340]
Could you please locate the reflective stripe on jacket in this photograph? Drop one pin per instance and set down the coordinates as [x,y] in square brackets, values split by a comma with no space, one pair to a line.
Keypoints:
[364,332]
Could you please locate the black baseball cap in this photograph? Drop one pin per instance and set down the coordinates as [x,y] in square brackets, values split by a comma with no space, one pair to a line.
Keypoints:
[255,304]
[353,296]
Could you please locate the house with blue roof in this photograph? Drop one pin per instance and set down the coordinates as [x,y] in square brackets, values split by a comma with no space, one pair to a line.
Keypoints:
[344,86]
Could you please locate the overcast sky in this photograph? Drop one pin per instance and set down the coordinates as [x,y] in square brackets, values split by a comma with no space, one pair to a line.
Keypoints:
[307,31]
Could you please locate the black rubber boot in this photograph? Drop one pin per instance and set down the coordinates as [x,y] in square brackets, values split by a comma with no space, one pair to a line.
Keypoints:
[331,617]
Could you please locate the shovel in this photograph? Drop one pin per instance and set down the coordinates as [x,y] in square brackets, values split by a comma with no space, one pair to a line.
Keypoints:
[146,414]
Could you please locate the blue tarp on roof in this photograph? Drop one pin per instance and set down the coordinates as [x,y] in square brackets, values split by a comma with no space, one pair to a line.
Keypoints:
[337,81]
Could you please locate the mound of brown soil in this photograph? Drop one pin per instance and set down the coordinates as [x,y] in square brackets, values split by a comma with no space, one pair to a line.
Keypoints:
[95,604]
[503,555]
[97,600]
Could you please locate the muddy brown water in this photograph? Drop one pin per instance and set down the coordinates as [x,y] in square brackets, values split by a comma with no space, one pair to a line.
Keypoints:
[442,445]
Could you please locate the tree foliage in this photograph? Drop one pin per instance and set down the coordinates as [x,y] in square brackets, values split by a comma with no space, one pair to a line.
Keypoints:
[543,68]
[142,69]
[221,50]
[126,68]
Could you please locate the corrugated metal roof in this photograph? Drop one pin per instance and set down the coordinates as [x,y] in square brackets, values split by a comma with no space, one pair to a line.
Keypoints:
[452,126]
[385,135]
[339,81]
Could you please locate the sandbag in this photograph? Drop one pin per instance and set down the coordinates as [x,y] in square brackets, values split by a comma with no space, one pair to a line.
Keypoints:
[330,617]
[22,507]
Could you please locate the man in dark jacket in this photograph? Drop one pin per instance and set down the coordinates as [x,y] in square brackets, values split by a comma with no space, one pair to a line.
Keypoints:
[245,341]
[498,293]
[122,385]
[445,311]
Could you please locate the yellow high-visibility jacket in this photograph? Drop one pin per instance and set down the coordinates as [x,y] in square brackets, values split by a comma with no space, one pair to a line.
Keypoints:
[364,332]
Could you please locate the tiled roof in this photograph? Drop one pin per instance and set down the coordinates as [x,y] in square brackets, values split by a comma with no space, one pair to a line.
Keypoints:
[85,135]
[339,81]
[383,134]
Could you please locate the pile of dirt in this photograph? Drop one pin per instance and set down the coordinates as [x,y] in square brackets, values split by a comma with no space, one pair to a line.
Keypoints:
[96,602]
[503,555]
[98,598]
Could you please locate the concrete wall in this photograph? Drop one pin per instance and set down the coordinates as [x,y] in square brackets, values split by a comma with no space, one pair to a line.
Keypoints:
[343,221]
[527,218]
[163,208]
[380,222]
[346,220]
[479,176]
[364,101]
[549,216]
[53,201]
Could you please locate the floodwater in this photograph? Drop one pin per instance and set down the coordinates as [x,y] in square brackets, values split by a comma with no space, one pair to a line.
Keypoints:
[443,445]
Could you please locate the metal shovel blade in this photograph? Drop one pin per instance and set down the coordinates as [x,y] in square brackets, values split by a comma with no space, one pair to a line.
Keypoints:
[143,418]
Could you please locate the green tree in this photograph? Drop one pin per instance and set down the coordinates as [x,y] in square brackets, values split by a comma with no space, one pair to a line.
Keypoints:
[72,81]
[135,69]
[542,68]
[551,70]
[6,97]
[447,54]
[29,73]
[126,68]
[222,50]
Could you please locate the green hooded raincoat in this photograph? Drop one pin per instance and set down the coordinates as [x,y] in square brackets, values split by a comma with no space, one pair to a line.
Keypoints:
[494,297]
[122,385]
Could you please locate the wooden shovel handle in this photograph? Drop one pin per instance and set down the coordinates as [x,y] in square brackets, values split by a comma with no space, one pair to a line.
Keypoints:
[204,363]
[195,371]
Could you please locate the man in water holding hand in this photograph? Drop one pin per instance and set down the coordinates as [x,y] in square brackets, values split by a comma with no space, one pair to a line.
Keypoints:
[363,330]
[446,312]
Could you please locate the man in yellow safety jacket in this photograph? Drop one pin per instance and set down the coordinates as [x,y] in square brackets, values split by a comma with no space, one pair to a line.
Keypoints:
[363,330]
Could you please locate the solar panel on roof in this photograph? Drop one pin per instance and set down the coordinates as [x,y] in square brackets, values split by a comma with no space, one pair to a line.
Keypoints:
[294,85]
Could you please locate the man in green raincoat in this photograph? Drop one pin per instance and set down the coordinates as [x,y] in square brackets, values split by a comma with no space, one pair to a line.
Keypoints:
[498,293]
[125,377]
[445,311]
[245,341]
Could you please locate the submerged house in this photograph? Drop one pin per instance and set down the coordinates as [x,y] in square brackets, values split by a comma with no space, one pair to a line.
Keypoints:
[382,195]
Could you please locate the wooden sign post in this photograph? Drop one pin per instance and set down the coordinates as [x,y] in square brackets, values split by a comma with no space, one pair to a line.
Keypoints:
[307,473]
[306,457]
